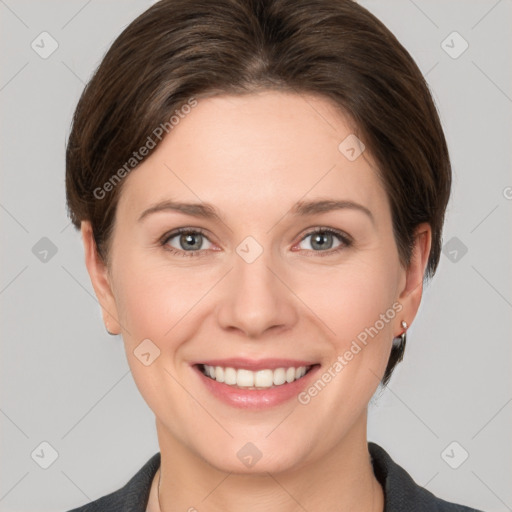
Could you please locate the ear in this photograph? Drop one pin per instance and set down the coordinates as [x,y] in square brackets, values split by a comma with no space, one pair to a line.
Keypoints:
[100,279]
[410,295]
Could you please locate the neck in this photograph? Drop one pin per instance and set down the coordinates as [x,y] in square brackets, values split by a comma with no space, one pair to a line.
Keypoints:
[341,480]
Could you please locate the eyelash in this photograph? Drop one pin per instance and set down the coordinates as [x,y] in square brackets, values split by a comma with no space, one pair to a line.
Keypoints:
[346,241]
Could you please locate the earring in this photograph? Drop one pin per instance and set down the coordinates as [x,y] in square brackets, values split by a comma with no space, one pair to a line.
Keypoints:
[402,342]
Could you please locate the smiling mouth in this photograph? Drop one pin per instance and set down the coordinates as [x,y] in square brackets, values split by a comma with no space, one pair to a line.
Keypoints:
[261,379]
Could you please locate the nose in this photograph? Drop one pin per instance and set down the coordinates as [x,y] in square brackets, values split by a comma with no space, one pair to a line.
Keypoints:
[256,298]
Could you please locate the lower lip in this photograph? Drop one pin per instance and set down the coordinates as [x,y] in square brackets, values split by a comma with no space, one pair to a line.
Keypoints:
[256,398]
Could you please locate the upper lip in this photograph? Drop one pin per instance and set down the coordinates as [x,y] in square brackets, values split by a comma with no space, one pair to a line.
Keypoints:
[255,365]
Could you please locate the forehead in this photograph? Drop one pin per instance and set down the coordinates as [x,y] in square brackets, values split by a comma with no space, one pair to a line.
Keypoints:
[255,152]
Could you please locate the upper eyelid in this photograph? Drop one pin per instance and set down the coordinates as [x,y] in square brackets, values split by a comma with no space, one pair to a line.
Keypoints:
[163,240]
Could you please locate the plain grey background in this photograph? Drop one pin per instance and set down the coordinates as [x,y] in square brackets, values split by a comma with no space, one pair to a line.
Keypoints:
[66,382]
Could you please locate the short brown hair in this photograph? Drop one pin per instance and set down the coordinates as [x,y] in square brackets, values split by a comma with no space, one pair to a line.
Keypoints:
[183,49]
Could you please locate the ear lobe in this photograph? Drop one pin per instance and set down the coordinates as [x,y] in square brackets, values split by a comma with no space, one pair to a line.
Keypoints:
[100,279]
[410,296]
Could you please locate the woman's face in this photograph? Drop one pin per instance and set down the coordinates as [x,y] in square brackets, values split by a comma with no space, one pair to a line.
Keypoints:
[261,281]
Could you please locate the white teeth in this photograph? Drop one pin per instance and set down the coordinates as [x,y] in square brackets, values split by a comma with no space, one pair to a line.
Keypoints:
[219,374]
[229,375]
[244,379]
[260,379]
[279,376]
[263,378]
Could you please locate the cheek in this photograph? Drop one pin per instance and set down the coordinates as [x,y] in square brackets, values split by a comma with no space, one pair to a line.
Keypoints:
[153,298]
[351,298]
[156,302]
[166,305]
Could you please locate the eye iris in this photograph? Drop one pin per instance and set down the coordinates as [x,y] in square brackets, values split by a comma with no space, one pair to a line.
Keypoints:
[319,239]
[187,241]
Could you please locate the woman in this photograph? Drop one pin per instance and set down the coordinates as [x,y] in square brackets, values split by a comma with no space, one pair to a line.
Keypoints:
[260,188]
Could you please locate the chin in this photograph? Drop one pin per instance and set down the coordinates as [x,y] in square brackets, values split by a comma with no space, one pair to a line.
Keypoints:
[258,457]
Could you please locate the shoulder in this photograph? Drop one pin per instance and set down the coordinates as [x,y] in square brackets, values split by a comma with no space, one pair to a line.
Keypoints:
[402,493]
[132,496]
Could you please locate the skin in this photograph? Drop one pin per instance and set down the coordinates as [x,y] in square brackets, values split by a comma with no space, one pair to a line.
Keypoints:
[253,157]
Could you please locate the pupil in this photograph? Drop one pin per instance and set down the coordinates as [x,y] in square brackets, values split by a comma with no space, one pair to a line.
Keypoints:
[189,241]
[320,239]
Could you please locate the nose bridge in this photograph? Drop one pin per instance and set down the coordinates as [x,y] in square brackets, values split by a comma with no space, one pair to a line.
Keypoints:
[253,272]
[256,297]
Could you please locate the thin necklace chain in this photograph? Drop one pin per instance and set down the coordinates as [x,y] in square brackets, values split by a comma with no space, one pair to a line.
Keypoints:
[158,491]
[160,477]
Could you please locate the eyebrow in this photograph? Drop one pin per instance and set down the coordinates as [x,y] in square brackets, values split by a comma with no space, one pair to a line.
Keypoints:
[299,209]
